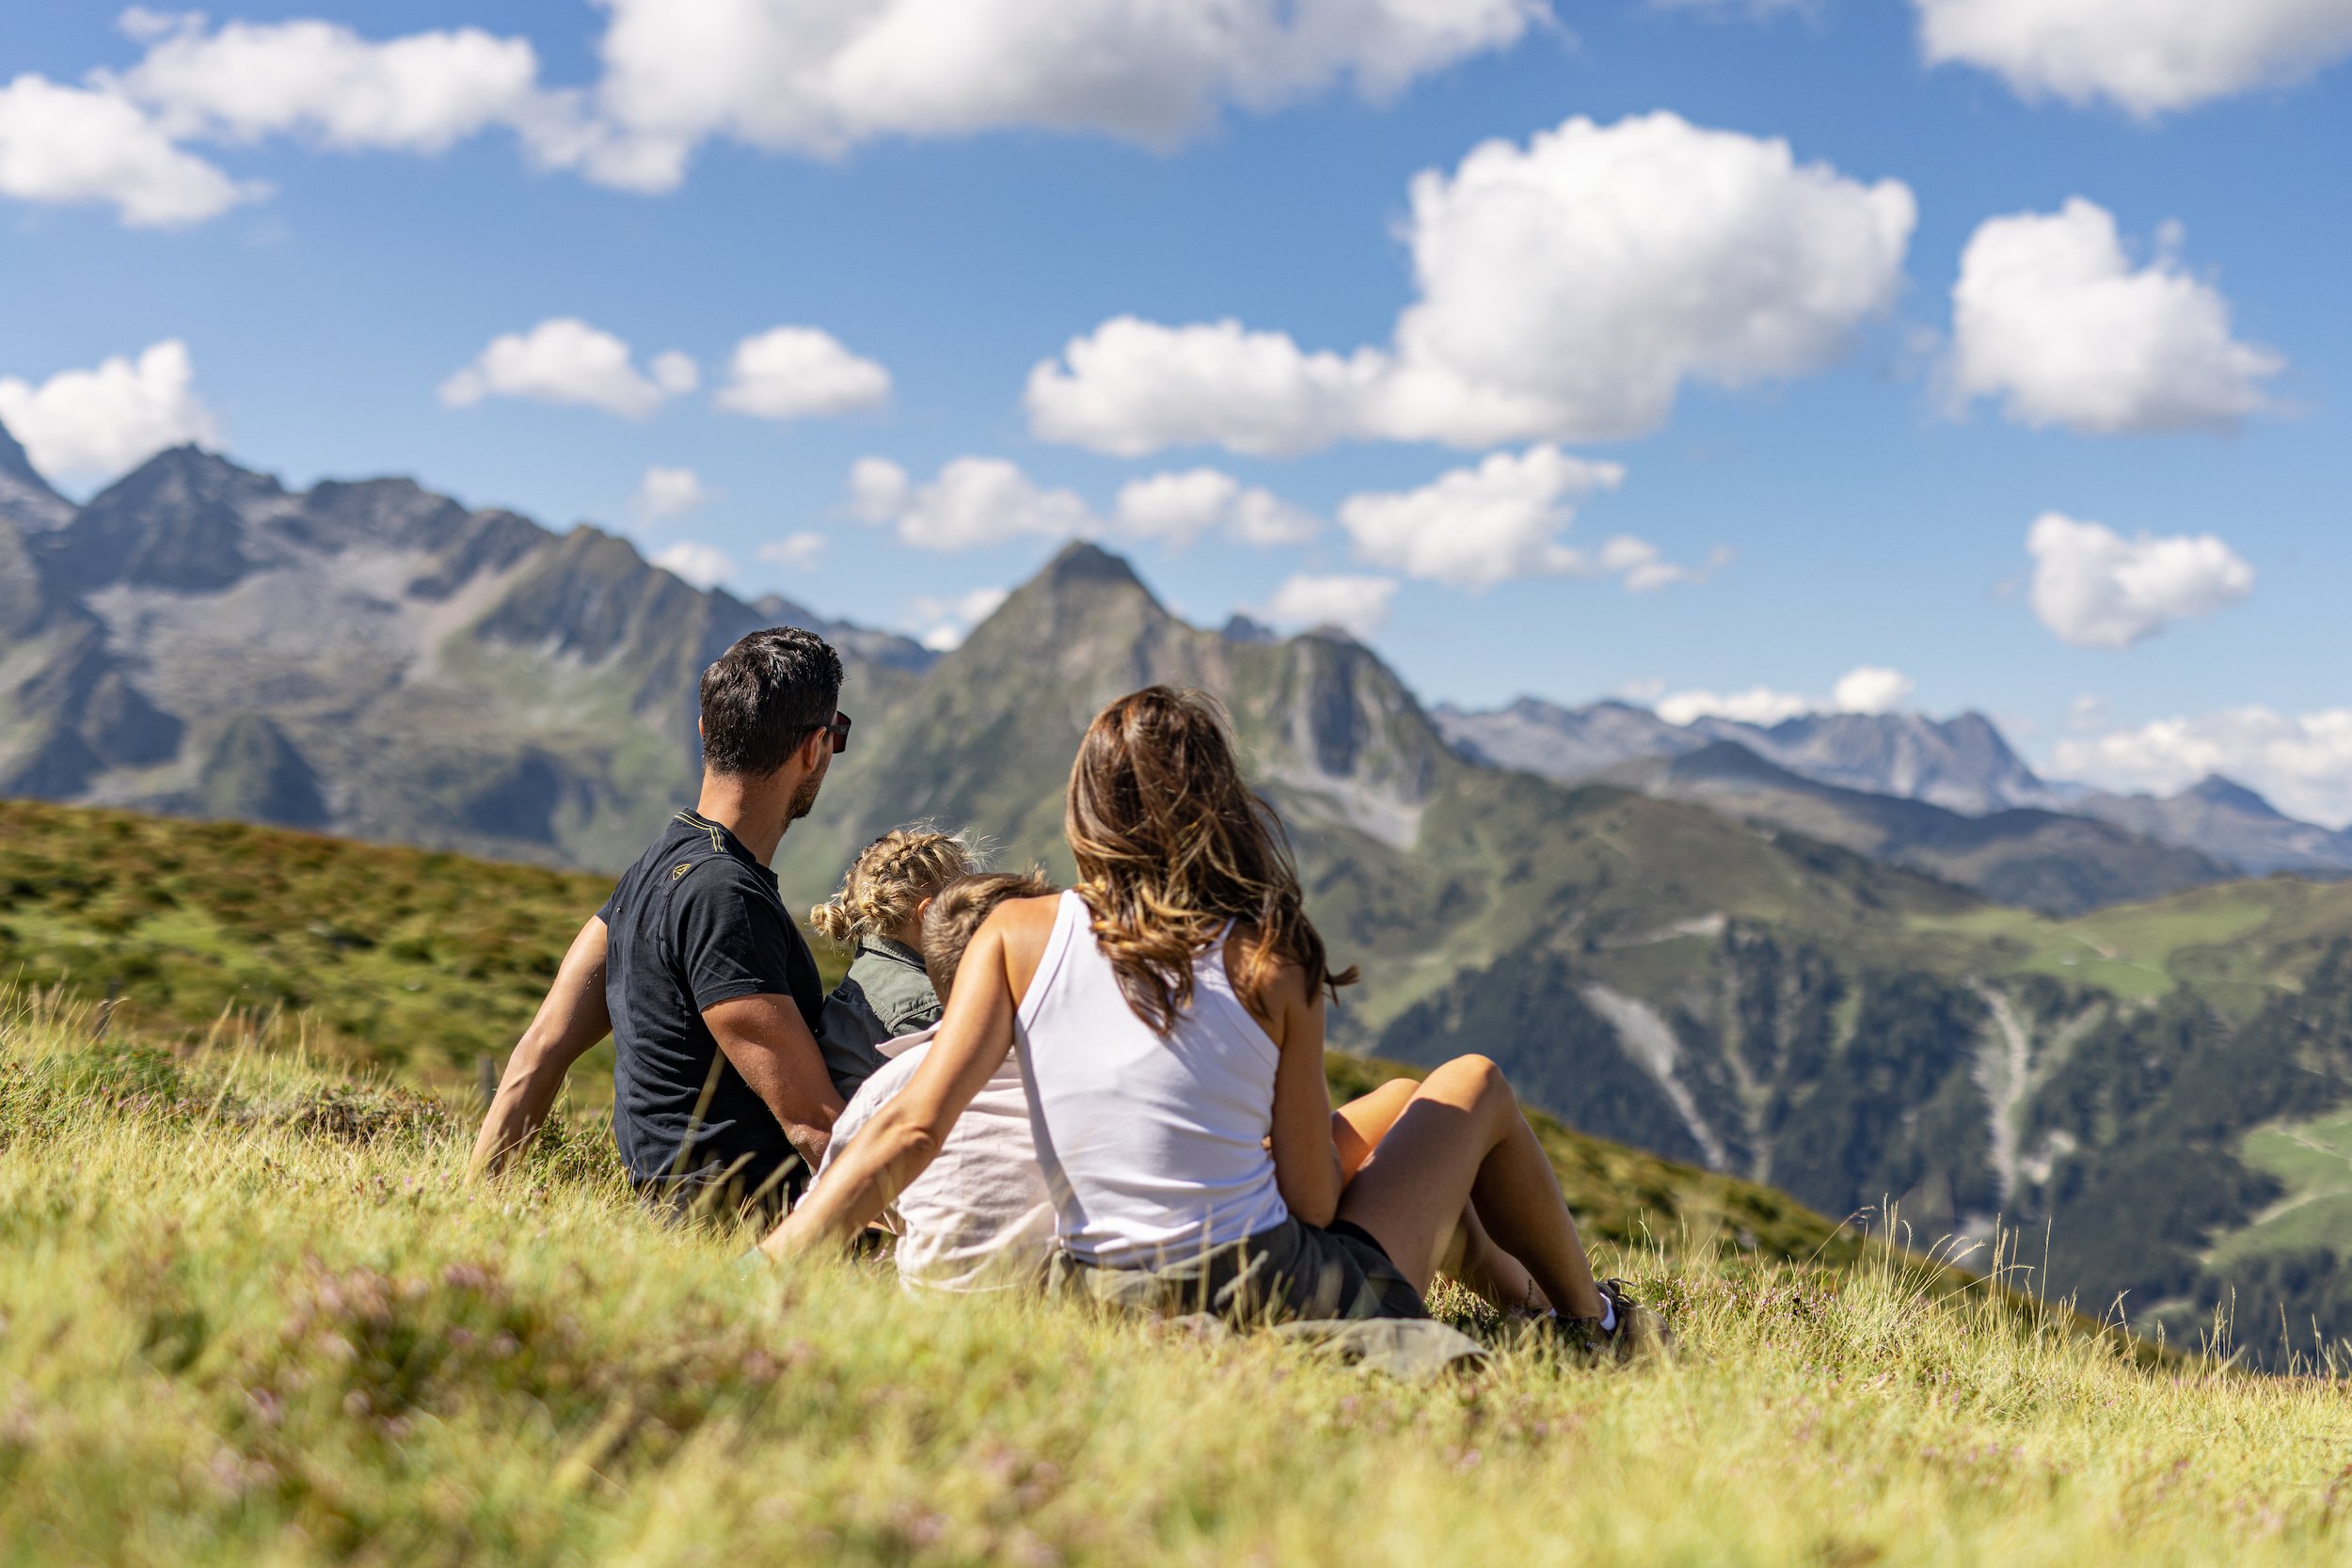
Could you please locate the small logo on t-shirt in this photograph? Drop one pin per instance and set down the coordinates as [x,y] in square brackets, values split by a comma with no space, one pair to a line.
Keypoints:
[680,869]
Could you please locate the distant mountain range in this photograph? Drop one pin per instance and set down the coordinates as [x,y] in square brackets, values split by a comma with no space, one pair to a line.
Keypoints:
[369,659]
[1791,954]
[1962,764]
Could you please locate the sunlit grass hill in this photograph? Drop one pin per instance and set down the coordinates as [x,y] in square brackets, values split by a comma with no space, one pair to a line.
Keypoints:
[250,1315]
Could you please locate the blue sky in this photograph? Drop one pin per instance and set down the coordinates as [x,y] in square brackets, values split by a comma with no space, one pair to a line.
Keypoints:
[1839,507]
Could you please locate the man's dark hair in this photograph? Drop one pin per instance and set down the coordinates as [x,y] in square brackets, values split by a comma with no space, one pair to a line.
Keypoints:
[764,696]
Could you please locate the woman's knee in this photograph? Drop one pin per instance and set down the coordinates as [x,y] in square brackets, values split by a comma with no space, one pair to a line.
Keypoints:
[1473,1079]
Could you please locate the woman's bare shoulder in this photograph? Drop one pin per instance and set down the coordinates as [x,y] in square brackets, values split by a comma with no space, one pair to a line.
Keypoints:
[1023,919]
[1285,982]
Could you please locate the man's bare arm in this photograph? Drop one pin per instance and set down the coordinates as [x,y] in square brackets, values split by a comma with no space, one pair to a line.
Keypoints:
[573,1019]
[768,1043]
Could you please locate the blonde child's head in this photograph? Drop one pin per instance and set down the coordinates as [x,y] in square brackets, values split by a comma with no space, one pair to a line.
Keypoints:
[890,883]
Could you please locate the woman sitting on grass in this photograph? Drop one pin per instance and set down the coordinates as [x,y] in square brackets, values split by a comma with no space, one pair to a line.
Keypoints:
[1170,1016]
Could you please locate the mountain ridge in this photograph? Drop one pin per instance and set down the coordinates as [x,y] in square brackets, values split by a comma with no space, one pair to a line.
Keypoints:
[1963,764]
[364,656]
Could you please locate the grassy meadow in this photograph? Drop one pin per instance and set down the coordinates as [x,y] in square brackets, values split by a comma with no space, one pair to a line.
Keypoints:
[248,1315]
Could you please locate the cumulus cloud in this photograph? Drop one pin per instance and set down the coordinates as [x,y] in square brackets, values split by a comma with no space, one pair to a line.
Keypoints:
[321,81]
[814,77]
[794,552]
[563,359]
[1757,704]
[1477,527]
[2050,316]
[1503,520]
[666,493]
[83,424]
[974,502]
[2146,57]
[1180,508]
[943,623]
[1865,689]
[822,75]
[703,565]
[1357,605]
[796,373]
[1567,289]
[2095,588]
[76,145]
[1872,689]
[2301,762]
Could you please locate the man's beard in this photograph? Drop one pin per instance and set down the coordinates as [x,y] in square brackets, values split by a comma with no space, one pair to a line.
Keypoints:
[804,798]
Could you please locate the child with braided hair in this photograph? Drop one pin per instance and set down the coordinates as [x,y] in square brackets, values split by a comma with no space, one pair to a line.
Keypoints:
[878,913]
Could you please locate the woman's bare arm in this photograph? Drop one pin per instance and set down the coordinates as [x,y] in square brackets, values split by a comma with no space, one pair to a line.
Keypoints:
[1307,1169]
[906,1133]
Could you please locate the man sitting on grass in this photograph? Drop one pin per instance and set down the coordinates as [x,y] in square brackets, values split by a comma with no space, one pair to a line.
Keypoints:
[722,1098]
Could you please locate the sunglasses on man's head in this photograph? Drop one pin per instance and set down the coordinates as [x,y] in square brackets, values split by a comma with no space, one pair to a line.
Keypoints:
[839,729]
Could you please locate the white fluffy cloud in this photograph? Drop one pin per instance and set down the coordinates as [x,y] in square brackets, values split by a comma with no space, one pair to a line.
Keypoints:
[666,493]
[1477,527]
[943,623]
[2301,762]
[796,373]
[1180,508]
[1757,704]
[809,76]
[1567,289]
[974,502]
[2145,56]
[794,552]
[1872,689]
[321,80]
[1501,520]
[703,565]
[1357,605]
[2096,589]
[93,424]
[979,501]
[72,146]
[2050,316]
[1865,689]
[820,77]
[563,359]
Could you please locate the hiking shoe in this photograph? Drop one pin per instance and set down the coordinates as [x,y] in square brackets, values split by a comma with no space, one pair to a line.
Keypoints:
[1638,1334]
[1641,1334]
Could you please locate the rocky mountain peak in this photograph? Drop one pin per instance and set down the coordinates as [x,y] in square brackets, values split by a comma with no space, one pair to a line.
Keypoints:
[2229,794]
[26,498]
[1082,564]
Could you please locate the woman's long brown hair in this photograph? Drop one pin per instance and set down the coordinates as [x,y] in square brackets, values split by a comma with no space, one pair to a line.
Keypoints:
[1171,844]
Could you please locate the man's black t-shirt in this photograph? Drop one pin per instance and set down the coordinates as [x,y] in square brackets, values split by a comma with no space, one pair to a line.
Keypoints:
[695,922]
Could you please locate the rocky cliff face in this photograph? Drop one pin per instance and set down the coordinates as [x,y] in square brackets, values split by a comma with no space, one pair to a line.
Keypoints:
[368,658]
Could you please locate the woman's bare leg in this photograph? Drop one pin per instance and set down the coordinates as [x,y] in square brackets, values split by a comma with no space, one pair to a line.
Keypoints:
[1476,1261]
[1358,1126]
[1487,1271]
[1459,1140]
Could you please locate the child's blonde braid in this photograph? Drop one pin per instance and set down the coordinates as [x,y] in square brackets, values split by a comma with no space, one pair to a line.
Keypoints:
[889,879]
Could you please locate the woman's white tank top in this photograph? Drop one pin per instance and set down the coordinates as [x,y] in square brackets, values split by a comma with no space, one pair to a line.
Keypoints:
[1153,1145]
